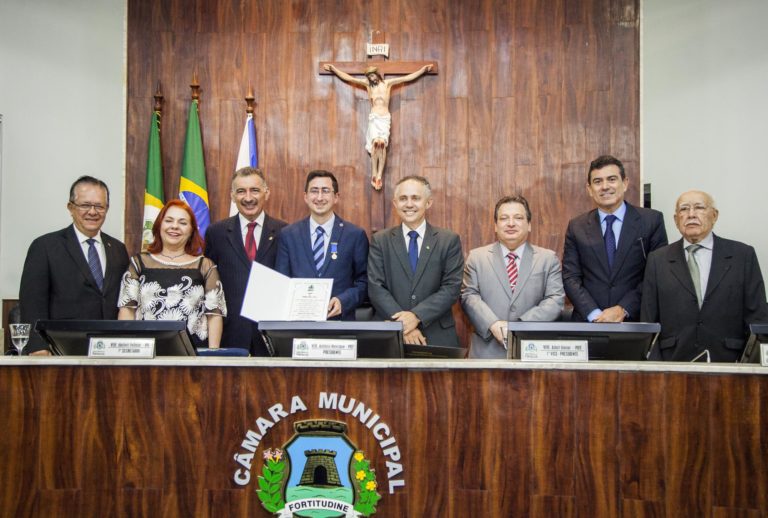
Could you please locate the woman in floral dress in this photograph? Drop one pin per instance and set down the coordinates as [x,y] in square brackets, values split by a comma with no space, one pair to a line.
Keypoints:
[173,281]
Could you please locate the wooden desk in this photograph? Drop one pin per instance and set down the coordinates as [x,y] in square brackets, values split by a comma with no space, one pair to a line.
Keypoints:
[478,438]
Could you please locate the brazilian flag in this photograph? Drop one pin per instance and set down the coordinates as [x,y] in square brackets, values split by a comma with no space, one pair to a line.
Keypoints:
[193,188]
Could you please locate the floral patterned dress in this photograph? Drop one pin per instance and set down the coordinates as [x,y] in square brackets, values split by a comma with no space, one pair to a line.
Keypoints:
[160,290]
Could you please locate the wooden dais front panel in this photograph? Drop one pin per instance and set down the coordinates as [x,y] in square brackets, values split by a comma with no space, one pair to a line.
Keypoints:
[161,441]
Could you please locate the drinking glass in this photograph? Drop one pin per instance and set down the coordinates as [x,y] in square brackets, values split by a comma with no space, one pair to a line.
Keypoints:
[20,336]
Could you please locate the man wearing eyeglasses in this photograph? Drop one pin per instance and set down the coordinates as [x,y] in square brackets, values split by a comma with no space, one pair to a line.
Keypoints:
[704,290]
[74,273]
[324,245]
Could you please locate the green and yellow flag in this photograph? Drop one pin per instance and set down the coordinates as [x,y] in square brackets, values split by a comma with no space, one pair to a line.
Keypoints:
[153,191]
[193,188]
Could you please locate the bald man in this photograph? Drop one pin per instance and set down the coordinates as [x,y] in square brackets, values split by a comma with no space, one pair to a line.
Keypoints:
[704,290]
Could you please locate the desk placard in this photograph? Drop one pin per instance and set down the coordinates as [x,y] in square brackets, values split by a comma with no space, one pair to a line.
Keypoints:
[117,347]
[764,355]
[324,349]
[554,350]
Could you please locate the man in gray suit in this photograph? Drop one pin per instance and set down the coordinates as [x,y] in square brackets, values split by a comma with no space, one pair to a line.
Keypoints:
[509,280]
[414,269]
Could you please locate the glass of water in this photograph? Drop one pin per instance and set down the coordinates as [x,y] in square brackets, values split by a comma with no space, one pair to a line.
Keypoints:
[20,335]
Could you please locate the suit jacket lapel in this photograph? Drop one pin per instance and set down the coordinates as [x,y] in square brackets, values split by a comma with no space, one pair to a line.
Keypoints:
[627,237]
[76,252]
[268,236]
[427,247]
[235,238]
[398,242]
[721,264]
[596,241]
[336,236]
[499,268]
[307,240]
[679,267]
[524,272]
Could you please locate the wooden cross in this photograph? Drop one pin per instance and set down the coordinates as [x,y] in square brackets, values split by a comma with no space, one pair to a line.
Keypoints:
[385,67]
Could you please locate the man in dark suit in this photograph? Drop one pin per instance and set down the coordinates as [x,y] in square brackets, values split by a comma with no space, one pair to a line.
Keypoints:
[704,290]
[74,273]
[415,269]
[324,245]
[606,248]
[233,244]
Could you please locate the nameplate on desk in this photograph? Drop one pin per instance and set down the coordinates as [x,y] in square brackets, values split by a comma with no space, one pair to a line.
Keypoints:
[324,349]
[764,355]
[116,347]
[554,350]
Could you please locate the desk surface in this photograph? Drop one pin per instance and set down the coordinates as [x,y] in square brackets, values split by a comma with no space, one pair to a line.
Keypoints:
[704,368]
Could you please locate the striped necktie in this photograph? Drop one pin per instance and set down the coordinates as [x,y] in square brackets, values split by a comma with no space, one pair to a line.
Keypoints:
[512,270]
[250,242]
[318,250]
[94,263]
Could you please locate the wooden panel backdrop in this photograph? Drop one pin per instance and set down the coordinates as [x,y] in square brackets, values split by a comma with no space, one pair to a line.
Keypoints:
[528,92]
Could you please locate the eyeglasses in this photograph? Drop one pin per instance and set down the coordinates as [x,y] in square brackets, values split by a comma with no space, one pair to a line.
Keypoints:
[87,207]
[315,191]
[692,209]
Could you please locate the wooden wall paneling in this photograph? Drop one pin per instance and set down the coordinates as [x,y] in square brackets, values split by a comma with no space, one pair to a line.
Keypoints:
[625,90]
[688,468]
[138,502]
[456,68]
[641,509]
[223,16]
[231,503]
[58,502]
[283,184]
[457,168]
[736,426]
[437,409]
[140,112]
[560,506]
[433,127]
[553,423]
[644,435]
[597,444]
[575,86]
[19,443]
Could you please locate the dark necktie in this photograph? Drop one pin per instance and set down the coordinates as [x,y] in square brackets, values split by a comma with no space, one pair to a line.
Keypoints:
[94,263]
[512,270]
[413,249]
[250,241]
[318,250]
[610,239]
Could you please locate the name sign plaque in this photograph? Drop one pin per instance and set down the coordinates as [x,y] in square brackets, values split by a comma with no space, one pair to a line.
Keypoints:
[554,350]
[324,349]
[117,347]
[764,355]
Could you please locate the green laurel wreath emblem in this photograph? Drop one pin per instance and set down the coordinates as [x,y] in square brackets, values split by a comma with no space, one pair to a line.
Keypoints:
[365,478]
[271,482]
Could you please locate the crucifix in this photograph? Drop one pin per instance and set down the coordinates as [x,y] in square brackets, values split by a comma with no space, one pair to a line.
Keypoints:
[379,91]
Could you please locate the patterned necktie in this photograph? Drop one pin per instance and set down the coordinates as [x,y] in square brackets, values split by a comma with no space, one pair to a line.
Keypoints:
[512,270]
[318,250]
[610,239]
[413,249]
[693,268]
[250,241]
[94,263]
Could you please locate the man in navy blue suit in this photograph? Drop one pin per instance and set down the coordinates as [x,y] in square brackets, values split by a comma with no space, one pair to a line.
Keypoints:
[324,245]
[234,244]
[606,248]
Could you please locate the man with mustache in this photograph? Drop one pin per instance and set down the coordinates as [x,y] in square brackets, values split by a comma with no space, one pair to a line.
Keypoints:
[379,120]
[234,244]
[704,290]
[606,248]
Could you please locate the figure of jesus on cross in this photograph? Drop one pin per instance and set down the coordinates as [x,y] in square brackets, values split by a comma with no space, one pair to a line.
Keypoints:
[379,119]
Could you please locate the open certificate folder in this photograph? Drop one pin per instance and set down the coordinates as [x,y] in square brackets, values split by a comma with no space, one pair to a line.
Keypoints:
[270,295]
